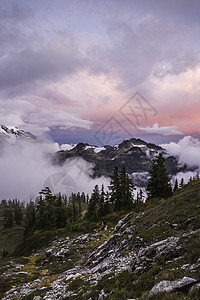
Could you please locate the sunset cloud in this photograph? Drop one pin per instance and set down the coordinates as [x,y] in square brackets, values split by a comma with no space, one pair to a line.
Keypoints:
[165,130]
[63,67]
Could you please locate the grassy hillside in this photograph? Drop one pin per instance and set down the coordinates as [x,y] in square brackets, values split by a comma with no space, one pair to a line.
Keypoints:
[121,263]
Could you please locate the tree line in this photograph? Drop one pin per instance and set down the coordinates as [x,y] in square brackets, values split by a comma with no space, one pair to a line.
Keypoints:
[51,211]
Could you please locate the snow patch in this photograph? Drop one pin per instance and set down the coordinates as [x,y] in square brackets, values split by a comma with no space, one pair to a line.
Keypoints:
[67,147]
[136,145]
[99,149]
[96,149]
[89,147]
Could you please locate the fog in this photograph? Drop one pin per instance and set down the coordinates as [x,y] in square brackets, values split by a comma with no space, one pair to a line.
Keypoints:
[187,150]
[26,169]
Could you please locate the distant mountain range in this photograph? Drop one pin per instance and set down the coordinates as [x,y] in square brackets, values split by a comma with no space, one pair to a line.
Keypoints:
[135,154]
[11,134]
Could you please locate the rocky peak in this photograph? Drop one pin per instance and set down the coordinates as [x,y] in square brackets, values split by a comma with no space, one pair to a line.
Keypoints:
[10,134]
[135,154]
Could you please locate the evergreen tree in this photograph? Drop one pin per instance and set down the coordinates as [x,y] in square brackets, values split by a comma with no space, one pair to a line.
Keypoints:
[175,185]
[182,183]
[60,215]
[115,189]
[74,209]
[107,206]
[137,198]
[121,189]
[159,182]
[46,212]
[8,218]
[10,203]
[140,196]
[83,198]
[78,198]
[101,211]
[4,204]
[17,212]
[93,205]
[29,218]
[126,189]
[87,198]
[190,180]
[40,215]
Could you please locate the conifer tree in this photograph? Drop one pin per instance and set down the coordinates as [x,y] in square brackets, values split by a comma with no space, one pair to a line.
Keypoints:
[115,189]
[83,198]
[17,212]
[175,185]
[29,218]
[93,205]
[8,218]
[127,187]
[101,211]
[121,187]
[190,180]
[87,198]
[159,182]
[40,215]
[75,210]
[4,204]
[107,206]
[140,196]
[182,183]
[46,213]
[60,215]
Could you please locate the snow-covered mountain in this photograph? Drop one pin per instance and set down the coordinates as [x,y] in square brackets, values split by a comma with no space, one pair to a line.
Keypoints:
[135,154]
[11,134]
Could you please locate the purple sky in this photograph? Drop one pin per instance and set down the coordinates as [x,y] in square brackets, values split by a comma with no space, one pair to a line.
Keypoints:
[101,71]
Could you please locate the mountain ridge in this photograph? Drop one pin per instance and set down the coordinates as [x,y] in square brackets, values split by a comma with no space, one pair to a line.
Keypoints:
[135,154]
[11,134]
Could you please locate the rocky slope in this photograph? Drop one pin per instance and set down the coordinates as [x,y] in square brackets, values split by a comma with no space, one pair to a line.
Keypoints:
[153,252]
[135,154]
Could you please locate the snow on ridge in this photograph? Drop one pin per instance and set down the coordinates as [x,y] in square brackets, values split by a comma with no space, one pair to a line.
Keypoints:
[89,147]
[67,147]
[99,149]
[140,145]
[2,130]
[96,149]
[13,128]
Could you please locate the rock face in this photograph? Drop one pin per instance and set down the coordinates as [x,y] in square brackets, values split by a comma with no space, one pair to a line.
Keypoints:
[122,251]
[159,252]
[171,286]
[136,155]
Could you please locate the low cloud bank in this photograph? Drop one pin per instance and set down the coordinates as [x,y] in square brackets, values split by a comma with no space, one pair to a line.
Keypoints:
[186,176]
[26,169]
[187,150]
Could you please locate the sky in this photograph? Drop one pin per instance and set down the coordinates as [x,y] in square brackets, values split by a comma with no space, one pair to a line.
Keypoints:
[101,71]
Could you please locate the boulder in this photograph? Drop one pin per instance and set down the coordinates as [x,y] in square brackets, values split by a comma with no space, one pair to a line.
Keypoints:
[172,286]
